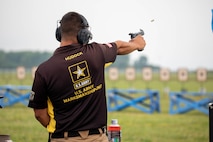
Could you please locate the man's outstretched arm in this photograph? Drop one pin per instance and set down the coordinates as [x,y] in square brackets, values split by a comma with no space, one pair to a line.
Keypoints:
[137,43]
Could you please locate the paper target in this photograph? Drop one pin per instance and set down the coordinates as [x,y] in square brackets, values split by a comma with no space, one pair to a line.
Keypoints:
[20,72]
[183,74]
[130,73]
[113,73]
[147,73]
[201,74]
[164,74]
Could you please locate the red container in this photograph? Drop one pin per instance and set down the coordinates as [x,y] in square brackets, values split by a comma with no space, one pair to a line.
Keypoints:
[114,131]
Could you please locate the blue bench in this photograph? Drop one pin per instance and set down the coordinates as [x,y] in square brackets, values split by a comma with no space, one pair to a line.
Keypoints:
[14,94]
[144,100]
[183,102]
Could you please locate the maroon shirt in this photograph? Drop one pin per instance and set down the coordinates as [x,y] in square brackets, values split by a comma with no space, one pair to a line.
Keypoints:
[73,81]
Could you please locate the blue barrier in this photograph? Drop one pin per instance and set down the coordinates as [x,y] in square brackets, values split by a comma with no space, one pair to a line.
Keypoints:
[182,102]
[143,100]
[14,94]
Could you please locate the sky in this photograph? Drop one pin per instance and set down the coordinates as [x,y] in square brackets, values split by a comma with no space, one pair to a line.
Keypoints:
[178,33]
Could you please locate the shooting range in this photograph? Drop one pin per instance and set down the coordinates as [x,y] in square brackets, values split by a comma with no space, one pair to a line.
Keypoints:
[163,93]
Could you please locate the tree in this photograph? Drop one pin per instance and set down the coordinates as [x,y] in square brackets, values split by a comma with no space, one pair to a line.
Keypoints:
[141,62]
[121,62]
[27,59]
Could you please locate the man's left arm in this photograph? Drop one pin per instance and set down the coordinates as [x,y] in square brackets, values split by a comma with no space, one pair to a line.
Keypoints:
[42,116]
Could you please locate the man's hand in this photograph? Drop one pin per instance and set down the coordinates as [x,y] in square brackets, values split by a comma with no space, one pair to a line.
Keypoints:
[139,41]
[133,35]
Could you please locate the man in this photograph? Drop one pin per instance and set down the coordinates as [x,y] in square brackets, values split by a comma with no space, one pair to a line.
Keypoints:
[68,92]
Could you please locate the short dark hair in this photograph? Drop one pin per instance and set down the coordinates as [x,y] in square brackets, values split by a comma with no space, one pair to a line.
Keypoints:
[71,23]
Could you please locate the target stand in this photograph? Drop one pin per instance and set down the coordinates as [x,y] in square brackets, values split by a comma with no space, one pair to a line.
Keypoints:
[183,102]
[14,94]
[144,100]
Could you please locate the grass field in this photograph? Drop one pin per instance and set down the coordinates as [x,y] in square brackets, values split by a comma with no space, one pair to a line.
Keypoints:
[18,121]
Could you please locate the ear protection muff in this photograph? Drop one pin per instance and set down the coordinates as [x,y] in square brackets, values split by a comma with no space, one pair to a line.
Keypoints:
[83,36]
[58,32]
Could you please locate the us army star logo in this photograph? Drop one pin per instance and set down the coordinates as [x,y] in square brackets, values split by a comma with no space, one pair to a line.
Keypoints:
[79,72]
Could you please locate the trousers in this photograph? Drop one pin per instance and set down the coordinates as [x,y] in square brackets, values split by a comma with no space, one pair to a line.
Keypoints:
[84,137]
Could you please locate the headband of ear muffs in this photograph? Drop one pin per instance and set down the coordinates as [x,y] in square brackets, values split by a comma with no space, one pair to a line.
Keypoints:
[83,36]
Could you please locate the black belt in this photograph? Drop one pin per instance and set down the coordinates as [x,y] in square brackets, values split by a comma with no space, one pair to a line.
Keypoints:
[76,134]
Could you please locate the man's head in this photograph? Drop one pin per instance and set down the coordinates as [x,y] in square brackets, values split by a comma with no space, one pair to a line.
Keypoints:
[73,26]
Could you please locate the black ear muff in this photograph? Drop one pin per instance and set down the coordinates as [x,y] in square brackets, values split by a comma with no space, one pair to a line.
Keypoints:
[84,35]
[58,32]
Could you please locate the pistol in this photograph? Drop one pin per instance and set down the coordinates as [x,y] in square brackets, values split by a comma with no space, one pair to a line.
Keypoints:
[133,35]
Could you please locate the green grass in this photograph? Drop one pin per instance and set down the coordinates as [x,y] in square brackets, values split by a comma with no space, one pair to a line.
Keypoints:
[140,127]
[18,121]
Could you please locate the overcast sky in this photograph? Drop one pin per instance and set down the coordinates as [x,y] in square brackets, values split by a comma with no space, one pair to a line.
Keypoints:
[178,32]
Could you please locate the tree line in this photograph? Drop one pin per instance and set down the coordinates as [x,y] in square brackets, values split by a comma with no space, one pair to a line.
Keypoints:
[29,59]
